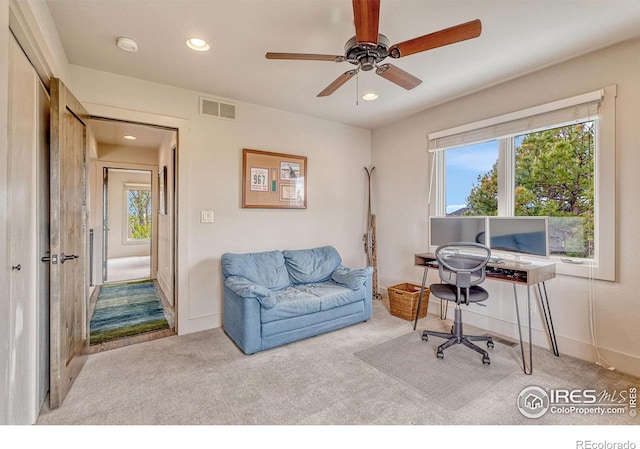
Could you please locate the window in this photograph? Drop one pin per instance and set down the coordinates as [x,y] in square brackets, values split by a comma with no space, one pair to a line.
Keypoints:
[469,169]
[555,160]
[554,176]
[138,212]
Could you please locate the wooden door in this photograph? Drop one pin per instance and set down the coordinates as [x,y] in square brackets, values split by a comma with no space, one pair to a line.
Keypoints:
[69,311]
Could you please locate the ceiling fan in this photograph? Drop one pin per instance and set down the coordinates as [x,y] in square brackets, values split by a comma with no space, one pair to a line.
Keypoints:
[368,48]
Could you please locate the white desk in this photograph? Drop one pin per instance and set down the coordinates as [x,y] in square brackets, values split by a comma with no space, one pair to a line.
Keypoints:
[524,274]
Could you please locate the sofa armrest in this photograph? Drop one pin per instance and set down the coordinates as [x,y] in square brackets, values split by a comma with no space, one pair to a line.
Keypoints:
[353,278]
[247,289]
[241,321]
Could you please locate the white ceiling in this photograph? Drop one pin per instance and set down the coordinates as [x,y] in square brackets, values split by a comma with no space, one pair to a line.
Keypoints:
[112,133]
[518,37]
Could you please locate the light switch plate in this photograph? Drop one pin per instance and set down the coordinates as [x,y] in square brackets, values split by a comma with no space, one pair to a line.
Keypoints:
[206,216]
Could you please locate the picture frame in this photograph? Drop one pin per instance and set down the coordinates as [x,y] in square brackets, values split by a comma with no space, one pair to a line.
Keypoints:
[273,180]
[162,191]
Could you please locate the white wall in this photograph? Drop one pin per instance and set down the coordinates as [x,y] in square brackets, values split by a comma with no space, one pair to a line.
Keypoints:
[400,201]
[210,178]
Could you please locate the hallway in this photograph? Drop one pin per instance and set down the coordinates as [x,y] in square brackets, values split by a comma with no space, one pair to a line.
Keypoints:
[128,268]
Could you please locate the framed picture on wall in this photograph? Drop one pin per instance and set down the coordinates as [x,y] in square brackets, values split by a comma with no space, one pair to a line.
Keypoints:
[162,191]
[273,180]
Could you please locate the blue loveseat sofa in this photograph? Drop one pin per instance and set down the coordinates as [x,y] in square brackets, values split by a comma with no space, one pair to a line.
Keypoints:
[276,297]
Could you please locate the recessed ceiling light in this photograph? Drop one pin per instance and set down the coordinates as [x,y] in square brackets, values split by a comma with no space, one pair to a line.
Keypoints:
[370,96]
[126,44]
[130,137]
[197,44]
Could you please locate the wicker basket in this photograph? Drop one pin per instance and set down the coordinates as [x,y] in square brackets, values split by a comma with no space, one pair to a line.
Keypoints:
[403,301]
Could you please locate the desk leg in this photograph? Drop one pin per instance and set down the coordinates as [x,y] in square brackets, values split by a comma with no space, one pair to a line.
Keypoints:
[526,370]
[424,281]
[544,300]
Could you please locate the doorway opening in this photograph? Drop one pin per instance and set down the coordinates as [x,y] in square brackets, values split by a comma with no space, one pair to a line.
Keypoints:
[133,223]
[128,227]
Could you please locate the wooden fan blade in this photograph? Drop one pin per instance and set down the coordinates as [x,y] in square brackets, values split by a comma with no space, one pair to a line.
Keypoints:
[331,88]
[440,38]
[398,76]
[304,57]
[366,15]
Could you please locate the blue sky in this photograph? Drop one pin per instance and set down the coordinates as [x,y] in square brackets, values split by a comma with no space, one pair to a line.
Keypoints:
[463,166]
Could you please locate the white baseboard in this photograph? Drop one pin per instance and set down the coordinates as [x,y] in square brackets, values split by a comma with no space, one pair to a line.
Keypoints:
[198,324]
[166,289]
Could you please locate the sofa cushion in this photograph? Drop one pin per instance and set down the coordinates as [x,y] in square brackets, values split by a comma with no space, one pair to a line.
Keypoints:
[311,265]
[265,268]
[290,302]
[331,294]
[303,299]
[352,278]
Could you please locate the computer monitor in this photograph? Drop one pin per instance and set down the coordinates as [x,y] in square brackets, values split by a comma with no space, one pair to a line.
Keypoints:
[522,235]
[456,229]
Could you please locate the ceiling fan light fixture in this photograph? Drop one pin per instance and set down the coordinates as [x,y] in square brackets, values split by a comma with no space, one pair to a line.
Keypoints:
[126,44]
[368,48]
[197,44]
[369,96]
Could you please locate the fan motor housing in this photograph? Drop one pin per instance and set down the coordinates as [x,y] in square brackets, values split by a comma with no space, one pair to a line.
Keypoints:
[366,55]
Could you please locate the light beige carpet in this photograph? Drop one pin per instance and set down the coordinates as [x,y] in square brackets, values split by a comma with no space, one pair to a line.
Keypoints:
[203,378]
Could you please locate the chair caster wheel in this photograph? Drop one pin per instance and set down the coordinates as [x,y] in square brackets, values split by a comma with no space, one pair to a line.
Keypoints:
[489,344]
[425,338]
[486,361]
[440,355]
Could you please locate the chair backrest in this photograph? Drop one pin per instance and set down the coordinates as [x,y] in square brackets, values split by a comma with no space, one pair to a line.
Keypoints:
[462,263]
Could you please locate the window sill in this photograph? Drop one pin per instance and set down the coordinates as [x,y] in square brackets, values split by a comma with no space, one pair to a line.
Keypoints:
[586,269]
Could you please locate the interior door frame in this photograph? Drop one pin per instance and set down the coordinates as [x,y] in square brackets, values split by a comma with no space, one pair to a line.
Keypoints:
[183,323]
[99,197]
[105,227]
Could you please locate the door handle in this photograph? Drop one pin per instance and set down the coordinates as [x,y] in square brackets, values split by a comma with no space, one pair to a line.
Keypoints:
[64,257]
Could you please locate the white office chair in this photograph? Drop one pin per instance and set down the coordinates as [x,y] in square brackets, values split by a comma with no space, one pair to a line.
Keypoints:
[461,267]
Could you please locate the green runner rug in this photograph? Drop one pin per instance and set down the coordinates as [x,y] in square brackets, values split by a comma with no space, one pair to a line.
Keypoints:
[127,309]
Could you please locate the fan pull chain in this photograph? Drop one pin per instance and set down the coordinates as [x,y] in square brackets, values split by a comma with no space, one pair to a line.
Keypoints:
[358,88]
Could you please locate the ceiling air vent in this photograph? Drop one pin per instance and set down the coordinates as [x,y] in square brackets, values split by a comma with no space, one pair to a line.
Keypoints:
[212,107]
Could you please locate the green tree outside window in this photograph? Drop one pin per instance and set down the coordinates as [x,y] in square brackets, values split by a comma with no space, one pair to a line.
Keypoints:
[139,214]
[554,176]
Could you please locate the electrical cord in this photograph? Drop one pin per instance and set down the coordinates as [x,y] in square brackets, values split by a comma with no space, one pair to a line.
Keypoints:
[600,360]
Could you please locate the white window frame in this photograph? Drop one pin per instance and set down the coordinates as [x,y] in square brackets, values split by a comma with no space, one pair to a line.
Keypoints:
[125,235]
[602,265]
